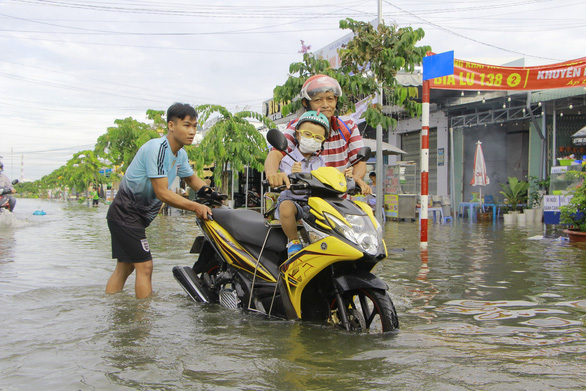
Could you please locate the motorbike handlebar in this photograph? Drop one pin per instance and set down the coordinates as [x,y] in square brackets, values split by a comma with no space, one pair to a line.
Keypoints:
[212,200]
[6,190]
[295,185]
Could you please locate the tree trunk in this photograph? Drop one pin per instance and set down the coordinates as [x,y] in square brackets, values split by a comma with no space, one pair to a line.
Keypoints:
[226,179]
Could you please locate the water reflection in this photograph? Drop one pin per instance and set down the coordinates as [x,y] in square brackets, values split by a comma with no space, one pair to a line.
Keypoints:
[504,285]
[486,306]
[130,343]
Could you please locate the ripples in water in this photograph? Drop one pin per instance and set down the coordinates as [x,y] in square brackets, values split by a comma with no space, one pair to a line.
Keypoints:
[484,307]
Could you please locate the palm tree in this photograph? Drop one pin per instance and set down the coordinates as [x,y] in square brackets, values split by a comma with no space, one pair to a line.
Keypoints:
[232,142]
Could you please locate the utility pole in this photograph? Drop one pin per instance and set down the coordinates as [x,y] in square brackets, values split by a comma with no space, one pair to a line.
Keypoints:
[379,140]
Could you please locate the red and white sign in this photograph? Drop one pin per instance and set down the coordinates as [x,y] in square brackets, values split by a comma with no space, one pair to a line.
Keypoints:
[481,77]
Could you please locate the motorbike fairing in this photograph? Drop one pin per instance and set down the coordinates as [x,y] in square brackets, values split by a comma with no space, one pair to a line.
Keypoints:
[252,233]
[338,208]
[305,265]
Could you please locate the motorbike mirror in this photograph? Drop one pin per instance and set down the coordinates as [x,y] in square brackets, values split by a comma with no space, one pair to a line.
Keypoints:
[14,182]
[277,140]
[363,155]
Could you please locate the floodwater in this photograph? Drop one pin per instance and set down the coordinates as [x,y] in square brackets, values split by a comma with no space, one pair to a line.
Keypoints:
[486,307]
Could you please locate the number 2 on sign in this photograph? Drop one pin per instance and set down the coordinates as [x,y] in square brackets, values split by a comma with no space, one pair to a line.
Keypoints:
[491,79]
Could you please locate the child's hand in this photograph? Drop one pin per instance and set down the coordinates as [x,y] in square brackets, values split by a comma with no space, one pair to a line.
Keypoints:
[348,172]
[296,167]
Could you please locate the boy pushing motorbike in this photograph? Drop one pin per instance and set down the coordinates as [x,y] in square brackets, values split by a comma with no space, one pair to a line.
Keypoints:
[144,187]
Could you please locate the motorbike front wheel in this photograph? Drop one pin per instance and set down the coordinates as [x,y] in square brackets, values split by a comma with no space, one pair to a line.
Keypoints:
[376,308]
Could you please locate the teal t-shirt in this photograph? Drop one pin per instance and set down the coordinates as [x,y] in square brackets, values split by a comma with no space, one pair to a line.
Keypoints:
[136,203]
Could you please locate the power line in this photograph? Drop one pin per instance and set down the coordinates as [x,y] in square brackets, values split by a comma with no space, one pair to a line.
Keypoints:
[464,36]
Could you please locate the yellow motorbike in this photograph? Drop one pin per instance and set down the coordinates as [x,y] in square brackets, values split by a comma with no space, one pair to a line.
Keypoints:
[243,261]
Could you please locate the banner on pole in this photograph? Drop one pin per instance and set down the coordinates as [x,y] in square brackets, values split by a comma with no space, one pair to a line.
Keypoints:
[482,77]
[438,65]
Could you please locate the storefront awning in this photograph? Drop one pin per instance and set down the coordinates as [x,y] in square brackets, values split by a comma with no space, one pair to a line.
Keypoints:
[388,149]
[559,93]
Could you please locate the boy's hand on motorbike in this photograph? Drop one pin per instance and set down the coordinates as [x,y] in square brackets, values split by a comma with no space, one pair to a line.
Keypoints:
[296,167]
[202,211]
[364,188]
[278,179]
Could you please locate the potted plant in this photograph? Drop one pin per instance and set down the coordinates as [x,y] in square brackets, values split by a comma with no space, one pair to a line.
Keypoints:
[573,214]
[505,208]
[515,192]
[537,189]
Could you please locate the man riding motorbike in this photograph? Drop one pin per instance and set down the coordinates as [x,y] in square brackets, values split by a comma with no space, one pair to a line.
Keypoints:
[6,185]
[343,140]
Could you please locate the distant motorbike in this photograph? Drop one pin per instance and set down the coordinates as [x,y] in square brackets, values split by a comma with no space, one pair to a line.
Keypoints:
[4,196]
[243,261]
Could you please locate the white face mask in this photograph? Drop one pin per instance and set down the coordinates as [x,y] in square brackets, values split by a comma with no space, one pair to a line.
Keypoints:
[309,145]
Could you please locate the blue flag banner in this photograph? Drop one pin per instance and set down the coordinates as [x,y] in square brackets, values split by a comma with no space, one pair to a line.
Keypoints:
[438,65]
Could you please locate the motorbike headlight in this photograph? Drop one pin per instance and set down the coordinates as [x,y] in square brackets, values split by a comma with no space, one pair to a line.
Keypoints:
[361,231]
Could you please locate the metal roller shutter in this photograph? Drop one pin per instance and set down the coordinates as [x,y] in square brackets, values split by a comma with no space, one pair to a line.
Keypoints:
[411,143]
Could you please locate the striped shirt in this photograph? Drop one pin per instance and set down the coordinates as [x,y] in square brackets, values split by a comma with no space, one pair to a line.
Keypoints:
[337,152]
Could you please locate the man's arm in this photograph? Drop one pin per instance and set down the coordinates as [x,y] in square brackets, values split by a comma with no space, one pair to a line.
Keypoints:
[358,173]
[274,177]
[194,182]
[161,187]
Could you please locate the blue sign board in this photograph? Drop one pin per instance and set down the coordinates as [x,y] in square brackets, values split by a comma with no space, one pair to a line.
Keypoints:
[438,65]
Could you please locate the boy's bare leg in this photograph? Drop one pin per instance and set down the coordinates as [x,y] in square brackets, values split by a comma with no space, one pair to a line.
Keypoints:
[143,283]
[119,276]
[288,218]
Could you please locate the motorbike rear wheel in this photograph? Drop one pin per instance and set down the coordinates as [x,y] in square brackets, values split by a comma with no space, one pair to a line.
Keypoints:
[376,308]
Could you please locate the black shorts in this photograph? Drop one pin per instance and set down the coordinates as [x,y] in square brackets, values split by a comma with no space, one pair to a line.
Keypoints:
[129,244]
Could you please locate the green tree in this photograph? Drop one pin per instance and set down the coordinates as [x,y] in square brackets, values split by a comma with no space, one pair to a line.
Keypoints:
[301,71]
[232,141]
[120,143]
[382,53]
[53,180]
[27,189]
[373,55]
[82,170]
[117,146]
[574,212]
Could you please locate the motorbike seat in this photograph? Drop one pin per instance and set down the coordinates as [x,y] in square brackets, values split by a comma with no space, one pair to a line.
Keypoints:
[248,226]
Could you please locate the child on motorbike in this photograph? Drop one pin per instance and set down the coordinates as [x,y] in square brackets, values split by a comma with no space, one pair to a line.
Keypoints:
[311,132]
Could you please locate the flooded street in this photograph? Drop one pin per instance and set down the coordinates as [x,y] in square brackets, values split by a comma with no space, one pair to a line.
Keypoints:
[486,307]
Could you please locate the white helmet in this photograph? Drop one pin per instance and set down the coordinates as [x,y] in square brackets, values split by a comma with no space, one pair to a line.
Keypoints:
[320,83]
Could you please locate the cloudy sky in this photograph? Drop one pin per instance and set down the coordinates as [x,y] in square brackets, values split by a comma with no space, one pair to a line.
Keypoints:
[69,68]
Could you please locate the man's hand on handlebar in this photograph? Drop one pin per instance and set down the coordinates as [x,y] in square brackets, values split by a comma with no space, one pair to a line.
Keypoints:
[364,188]
[348,173]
